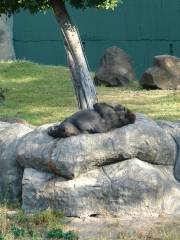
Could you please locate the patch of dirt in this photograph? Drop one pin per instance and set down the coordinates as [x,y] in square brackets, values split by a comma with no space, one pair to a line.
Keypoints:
[126,228]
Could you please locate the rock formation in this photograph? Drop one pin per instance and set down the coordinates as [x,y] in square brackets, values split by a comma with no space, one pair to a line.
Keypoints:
[165,73]
[130,170]
[10,170]
[115,68]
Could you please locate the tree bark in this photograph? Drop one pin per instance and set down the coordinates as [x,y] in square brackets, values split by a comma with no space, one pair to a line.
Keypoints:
[76,81]
[6,38]
[83,84]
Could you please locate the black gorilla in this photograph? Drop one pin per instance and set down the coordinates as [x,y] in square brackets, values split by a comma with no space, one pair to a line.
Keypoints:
[102,118]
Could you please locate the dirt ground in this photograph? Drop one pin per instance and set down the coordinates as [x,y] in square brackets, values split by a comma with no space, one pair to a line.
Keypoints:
[127,228]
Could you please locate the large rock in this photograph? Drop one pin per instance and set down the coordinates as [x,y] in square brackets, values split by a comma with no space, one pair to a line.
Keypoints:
[124,171]
[115,68]
[131,187]
[73,156]
[6,38]
[174,130]
[10,171]
[165,73]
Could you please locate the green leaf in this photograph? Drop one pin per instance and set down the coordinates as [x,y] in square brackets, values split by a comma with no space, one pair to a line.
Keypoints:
[34,6]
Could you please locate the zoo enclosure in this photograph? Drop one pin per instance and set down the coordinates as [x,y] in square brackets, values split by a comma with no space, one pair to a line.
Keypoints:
[143,28]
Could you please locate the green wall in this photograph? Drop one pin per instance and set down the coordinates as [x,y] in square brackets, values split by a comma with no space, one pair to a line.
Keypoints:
[143,28]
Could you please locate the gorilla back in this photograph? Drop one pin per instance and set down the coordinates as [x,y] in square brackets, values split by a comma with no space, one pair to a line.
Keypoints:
[102,118]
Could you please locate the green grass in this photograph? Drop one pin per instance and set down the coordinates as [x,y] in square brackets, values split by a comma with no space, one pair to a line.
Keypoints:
[36,93]
[45,225]
[42,94]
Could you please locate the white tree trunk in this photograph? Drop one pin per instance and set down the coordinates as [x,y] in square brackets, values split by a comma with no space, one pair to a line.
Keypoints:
[84,87]
[6,38]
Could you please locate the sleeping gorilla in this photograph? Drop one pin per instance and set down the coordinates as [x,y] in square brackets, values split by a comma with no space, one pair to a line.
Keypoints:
[102,118]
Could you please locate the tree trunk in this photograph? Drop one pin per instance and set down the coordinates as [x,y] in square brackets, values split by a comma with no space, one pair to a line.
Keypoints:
[76,81]
[83,84]
[6,38]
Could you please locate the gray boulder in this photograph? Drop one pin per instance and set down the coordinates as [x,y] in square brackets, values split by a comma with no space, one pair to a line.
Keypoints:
[126,171]
[131,187]
[73,156]
[174,130]
[6,38]
[165,73]
[10,171]
[115,68]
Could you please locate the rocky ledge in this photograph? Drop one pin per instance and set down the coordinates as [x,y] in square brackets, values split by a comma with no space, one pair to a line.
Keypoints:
[131,170]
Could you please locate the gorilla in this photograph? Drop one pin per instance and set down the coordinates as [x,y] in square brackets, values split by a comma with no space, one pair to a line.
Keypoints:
[102,118]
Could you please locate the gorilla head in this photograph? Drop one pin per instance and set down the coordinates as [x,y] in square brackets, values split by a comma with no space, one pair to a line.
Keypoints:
[102,118]
[116,116]
[125,115]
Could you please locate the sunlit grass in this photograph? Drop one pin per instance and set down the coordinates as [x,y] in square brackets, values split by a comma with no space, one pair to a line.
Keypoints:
[42,94]
[157,104]
[34,226]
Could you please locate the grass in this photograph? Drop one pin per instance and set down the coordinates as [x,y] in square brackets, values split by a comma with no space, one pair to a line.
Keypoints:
[49,225]
[42,94]
[45,225]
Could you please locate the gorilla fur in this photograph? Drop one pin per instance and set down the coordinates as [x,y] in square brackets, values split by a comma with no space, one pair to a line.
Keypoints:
[102,118]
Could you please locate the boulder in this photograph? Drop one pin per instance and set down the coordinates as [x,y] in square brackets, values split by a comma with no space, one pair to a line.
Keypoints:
[131,187]
[174,130]
[14,120]
[165,73]
[6,38]
[73,156]
[10,171]
[115,68]
[126,171]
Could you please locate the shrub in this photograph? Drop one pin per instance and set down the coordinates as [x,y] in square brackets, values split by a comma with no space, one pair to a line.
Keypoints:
[18,231]
[58,233]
